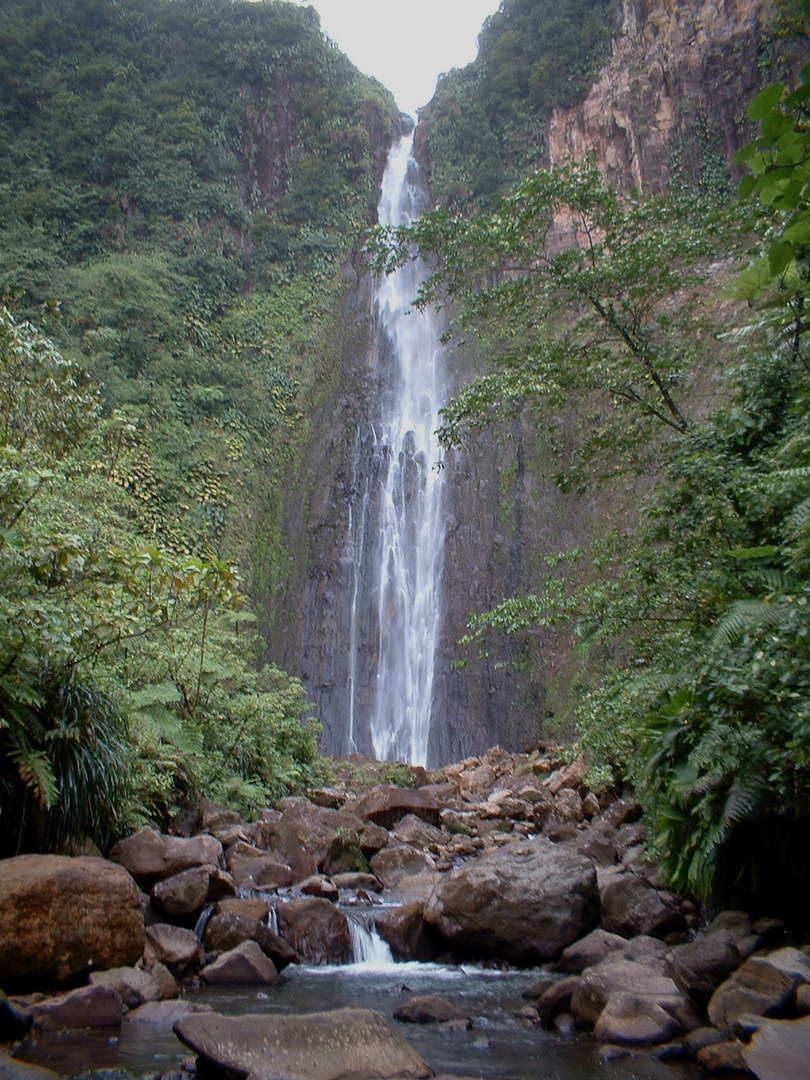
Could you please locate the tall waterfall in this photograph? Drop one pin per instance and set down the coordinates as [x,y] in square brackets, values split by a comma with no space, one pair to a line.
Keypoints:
[397,526]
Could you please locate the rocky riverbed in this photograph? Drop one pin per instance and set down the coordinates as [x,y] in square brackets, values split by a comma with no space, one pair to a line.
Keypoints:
[504,860]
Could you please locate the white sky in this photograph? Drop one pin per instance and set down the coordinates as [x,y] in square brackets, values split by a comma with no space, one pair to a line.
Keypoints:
[405,44]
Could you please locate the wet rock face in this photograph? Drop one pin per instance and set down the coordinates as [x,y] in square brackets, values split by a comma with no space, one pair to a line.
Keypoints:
[524,902]
[61,916]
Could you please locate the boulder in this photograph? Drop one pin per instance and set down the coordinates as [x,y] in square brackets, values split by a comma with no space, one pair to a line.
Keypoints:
[180,950]
[615,976]
[134,986]
[407,934]
[524,902]
[320,1046]
[255,869]
[701,965]
[589,951]
[316,930]
[629,1018]
[318,885]
[87,1007]
[393,864]
[307,833]
[164,1013]
[418,833]
[226,931]
[151,857]
[246,965]
[430,1009]
[556,999]
[763,986]
[780,1049]
[257,907]
[357,882]
[724,1057]
[183,895]
[630,906]
[61,917]
[387,805]
[14,1069]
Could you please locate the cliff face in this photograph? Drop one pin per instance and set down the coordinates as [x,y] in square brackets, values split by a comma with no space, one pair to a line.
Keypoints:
[673,95]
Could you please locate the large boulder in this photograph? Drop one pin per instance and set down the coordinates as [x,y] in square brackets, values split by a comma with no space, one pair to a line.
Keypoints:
[394,864]
[151,857]
[524,902]
[62,917]
[780,1049]
[701,965]
[180,950]
[224,932]
[619,976]
[631,906]
[358,1043]
[763,986]
[246,965]
[87,1007]
[183,895]
[316,930]
[134,986]
[407,934]
[388,805]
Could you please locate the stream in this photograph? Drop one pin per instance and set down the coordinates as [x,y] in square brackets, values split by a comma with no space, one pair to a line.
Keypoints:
[499,1046]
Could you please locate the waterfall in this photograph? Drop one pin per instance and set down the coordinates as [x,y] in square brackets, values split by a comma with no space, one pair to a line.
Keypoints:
[398,569]
[367,946]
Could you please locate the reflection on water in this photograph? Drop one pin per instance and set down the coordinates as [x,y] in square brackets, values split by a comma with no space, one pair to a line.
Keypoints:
[498,1047]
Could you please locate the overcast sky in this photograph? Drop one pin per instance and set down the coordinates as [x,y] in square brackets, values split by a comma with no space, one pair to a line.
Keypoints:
[405,44]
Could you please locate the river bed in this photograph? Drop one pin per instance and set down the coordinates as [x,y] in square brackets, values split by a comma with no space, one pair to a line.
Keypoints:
[500,1046]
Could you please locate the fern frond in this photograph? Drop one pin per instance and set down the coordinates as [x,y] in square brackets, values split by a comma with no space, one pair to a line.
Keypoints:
[746,615]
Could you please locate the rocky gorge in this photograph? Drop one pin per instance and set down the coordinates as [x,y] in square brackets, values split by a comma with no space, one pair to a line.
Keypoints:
[504,860]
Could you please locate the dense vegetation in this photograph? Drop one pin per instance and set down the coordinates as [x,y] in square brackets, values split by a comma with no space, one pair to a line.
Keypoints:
[180,181]
[484,128]
[702,605]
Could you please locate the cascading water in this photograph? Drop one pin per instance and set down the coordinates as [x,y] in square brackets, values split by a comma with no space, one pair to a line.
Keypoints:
[398,567]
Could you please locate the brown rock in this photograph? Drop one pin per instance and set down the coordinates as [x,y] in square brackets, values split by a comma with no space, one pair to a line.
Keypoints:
[226,931]
[619,976]
[133,986]
[180,950]
[393,864]
[780,1050]
[61,917]
[246,965]
[556,999]
[184,894]
[316,930]
[164,1013]
[763,986]
[321,1046]
[429,1009]
[407,934]
[589,951]
[318,885]
[525,902]
[701,965]
[253,907]
[87,1007]
[150,856]
[724,1057]
[629,1018]
[630,907]
[387,805]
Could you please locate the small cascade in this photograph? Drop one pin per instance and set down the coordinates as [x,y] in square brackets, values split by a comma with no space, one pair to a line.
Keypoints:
[368,947]
[203,919]
[272,921]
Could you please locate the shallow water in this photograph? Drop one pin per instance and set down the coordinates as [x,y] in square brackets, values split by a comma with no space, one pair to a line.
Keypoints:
[498,1047]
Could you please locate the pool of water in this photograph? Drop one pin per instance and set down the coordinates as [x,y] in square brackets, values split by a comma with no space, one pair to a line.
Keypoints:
[499,1046]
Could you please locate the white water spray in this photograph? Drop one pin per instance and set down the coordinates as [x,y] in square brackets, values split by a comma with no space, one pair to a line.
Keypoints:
[407,559]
